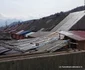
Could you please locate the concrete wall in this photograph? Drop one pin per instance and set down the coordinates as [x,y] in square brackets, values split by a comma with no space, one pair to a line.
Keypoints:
[46,63]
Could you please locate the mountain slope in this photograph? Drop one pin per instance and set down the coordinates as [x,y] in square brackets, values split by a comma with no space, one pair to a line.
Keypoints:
[47,23]
[6,21]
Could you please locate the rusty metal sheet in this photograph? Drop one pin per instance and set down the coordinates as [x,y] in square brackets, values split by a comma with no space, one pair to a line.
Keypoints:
[76,35]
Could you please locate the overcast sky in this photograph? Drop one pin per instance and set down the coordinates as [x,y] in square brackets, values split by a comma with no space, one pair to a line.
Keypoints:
[30,9]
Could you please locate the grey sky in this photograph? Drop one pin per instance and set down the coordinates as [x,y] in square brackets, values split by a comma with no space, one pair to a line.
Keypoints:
[29,9]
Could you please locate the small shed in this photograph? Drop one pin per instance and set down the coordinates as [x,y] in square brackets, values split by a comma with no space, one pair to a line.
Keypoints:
[76,37]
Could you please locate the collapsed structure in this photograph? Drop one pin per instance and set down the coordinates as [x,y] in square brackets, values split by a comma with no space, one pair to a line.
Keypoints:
[77,38]
[47,41]
[74,21]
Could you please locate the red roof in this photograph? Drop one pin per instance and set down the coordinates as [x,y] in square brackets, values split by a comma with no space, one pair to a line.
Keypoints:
[76,35]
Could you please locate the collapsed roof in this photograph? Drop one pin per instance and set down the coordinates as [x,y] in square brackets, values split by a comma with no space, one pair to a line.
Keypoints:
[35,44]
[76,35]
[74,21]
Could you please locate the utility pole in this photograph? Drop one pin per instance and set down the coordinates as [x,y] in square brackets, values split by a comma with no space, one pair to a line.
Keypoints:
[84,6]
[6,24]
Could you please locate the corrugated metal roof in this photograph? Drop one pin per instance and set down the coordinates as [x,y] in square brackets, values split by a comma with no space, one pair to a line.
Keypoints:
[25,32]
[3,50]
[28,34]
[76,35]
[69,21]
[29,44]
[18,46]
[38,34]
[52,45]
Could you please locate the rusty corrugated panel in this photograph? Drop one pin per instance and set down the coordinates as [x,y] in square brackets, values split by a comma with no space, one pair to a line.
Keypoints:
[40,33]
[77,35]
